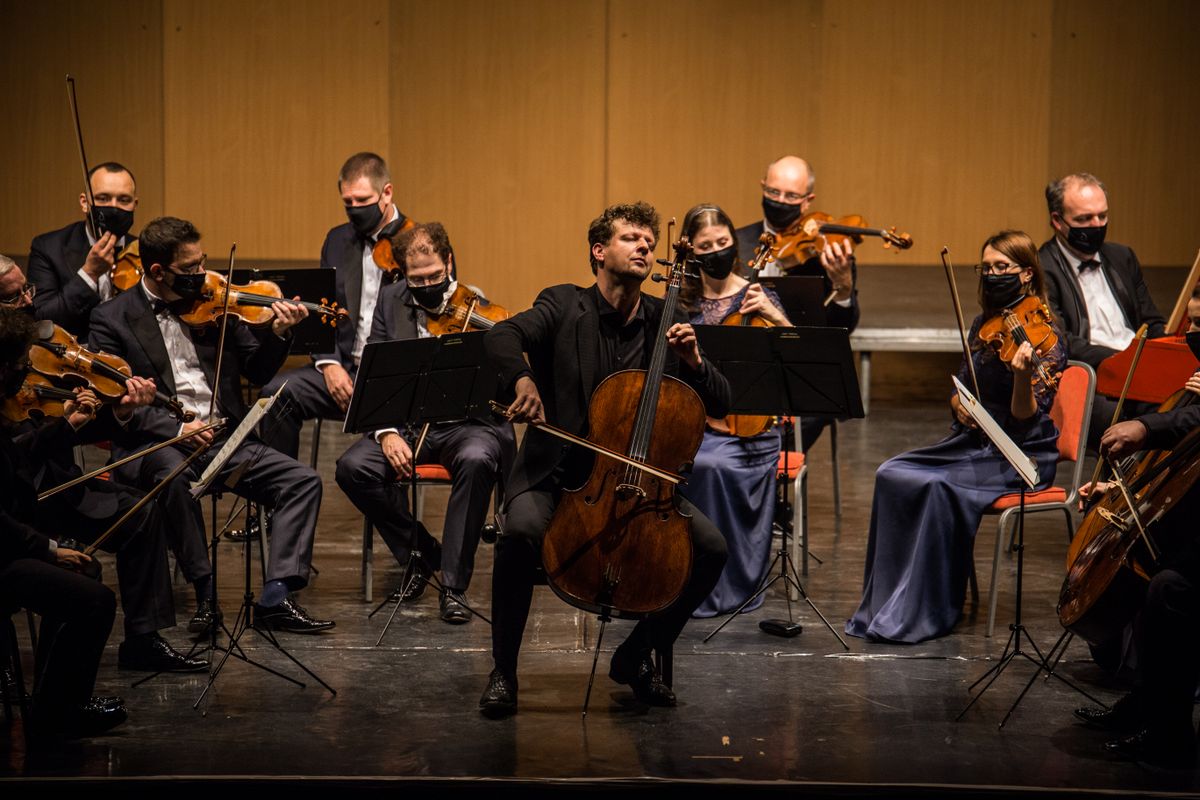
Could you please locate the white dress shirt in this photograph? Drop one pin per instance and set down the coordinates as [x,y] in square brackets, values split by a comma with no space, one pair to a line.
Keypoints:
[191,384]
[1107,322]
[104,286]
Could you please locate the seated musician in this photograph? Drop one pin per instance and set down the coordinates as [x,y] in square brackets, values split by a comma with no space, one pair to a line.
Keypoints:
[733,477]
[38,574]
[1095,288]
[576,337]
[1155,719]
[142,326]
[71,266]
[472,451]
[787,195]
[323,389]
[928,502]
[86,511]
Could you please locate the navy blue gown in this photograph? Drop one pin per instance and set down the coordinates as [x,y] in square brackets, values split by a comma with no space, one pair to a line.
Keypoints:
[733,483]
[929,502]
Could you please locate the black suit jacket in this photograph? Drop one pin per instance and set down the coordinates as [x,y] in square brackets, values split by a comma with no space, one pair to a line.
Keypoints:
[63,296]
[560,334]
[1124,275]
[835,316]
[125,326]
[1166,428]
[18,503]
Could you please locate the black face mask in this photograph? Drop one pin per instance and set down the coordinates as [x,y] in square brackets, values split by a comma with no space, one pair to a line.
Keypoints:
[780,215]
[364,219]
[1086,240]
[1002,291]
[188,286]
[432,296]
[717,264]
[114,220]
[1193,343]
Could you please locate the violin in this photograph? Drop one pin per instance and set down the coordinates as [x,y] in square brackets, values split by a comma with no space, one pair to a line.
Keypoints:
[127,268]
[465,310]
[37,397]
[251,303]
[382,253]
[60,355]
[618,545]
[747,425]
[1028,321]
[807,237]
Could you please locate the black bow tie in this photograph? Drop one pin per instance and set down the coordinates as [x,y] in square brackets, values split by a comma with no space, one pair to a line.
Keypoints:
[177,307]
[1091,263]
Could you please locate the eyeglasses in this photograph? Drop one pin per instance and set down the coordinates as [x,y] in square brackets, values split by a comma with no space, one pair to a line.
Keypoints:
[787,197]
[999,268]
[28,290]
[195,267]
[421,283]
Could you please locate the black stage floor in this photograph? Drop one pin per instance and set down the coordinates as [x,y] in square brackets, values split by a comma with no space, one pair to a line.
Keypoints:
[756,712]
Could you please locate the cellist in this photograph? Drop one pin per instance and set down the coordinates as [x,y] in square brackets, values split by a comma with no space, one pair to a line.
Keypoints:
[1155,718]
[575,337]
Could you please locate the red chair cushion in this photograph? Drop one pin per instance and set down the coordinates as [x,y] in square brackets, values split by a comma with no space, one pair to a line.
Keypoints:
[790,463]
[1067,411]
[1054,494]
[432,472]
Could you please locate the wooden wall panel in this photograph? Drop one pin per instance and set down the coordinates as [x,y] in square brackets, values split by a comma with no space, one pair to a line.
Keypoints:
[703,94]
[114,50]
[1127,109]
[264,101]
[497,130]
[934,119]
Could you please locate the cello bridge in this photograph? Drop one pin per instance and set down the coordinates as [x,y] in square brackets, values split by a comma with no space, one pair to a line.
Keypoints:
[1113,519]
[627,490]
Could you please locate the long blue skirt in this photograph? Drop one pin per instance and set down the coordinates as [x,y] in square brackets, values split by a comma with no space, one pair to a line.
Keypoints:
[927,508]
[733,483]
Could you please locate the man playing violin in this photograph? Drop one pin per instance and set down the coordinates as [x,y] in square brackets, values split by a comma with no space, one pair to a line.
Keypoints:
[574,338]
[1155,719]
[471,450]
[787,195]
[1095,288]
[324,392]
[143,326]
[71,267]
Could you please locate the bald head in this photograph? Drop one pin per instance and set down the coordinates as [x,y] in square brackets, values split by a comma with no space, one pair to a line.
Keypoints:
[790,174]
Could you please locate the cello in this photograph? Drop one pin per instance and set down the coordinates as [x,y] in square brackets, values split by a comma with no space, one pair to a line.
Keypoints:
[618,545]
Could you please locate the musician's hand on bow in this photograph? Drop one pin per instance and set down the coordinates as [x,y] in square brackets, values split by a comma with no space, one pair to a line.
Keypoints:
[139,392]
[682,339]
[1087,491]
[1193,383]
[101,256]
[82,409]
[71,559]
[757,302]
[398,454]
[528,405]
[835,258]
[287,315]
[1123,438]
[198,439]
[960,413]
[338,382]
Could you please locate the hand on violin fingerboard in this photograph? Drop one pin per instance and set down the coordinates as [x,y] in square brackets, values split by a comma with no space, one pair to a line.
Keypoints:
[835,258]
[82,409]
[287,315]
[139,392]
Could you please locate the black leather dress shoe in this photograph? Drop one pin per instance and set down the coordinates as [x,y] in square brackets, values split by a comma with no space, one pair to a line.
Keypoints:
[152,653]
[499,699]
[1147,746]
[1124,717]
[453,607]
[204,618]
[417,577]
[289,616]
[108,701]
[637,671]
[92,718]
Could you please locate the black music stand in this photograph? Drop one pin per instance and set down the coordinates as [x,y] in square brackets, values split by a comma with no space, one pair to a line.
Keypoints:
[311,334]
[803,297]
[784,371]
[409,383]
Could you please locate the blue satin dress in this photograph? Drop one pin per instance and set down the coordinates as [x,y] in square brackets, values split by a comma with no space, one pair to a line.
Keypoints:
[929,502]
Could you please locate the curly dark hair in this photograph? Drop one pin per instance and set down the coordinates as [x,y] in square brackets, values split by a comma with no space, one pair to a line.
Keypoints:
[602,229]
[161,237]
[424,237]
[18,331]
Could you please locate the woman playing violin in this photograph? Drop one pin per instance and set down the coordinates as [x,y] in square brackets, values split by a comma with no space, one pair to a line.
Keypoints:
[928,502]
[733,478]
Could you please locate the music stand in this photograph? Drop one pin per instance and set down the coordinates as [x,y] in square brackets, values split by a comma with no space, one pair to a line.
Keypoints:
[311,334]
[1027,470]
[417,382]
[802,296]
[784,371]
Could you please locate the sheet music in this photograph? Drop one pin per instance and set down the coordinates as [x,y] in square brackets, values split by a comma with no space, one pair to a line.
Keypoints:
[1025,466]
[260,408]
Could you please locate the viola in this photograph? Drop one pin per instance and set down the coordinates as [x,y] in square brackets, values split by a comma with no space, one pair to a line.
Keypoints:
[127,269]
[807,237]
[618,545]
[251,303]
[60,355]
[37,397]
[382,252]
[466,310]
[1028,321]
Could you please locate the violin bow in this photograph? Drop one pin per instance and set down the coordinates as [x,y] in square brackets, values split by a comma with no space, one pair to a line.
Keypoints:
[212,403]
[92,222]
[962,326]
[1140,336]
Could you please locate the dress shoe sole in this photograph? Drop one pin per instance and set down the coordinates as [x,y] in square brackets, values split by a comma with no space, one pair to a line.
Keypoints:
[291,629]
[498,710]
[202,627]
[162,667]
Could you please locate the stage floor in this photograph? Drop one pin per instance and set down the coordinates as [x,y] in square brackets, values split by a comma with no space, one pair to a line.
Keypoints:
[753,708]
